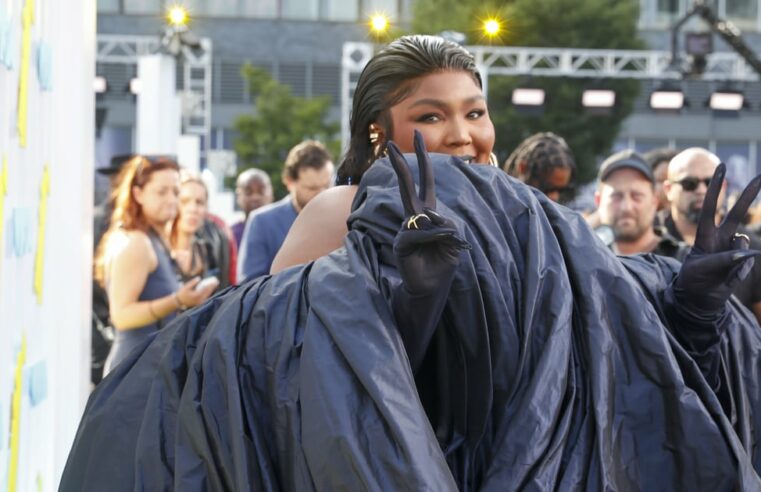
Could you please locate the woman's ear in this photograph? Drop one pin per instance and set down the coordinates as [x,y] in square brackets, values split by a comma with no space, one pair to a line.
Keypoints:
[137,192]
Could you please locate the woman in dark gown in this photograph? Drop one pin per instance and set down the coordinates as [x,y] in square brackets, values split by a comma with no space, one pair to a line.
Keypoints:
[490,343]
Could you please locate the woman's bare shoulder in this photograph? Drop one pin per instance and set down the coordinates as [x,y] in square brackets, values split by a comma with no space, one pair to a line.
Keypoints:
[131,247]
[130,242]
[318,229]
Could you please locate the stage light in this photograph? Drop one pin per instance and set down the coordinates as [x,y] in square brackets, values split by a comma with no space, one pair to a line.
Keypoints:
[100,85]
[667,100]
[726,101]
[492,27]
[177,16]
[134,85]
[598,99]
[528,97]
[379,23]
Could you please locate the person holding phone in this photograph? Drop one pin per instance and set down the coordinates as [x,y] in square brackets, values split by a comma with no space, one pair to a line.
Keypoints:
[189,249]
[133,260]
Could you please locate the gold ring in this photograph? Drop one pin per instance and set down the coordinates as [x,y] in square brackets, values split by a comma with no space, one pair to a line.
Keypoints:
[740,235]
[413,220]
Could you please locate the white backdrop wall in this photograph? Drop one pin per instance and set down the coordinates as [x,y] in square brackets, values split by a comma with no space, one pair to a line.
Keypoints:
[47,56]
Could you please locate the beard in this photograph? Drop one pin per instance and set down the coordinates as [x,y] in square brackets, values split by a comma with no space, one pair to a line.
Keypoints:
[628,234]
[691,211]
[693,214]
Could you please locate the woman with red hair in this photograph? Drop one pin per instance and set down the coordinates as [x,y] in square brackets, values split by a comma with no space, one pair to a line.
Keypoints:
[133,262]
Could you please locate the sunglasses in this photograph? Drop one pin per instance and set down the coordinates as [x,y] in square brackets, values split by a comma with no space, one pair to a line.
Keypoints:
[691,183]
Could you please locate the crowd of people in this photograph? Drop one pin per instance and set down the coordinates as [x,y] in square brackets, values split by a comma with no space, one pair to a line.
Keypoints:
[458,330]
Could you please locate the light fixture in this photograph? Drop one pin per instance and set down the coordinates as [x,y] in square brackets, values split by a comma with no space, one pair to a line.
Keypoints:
[726,101]
[134,85]
[528,97]
[598,98]
[177,16]
[100,85]
[379,23]
[528,101]
[492,27]
[667,100]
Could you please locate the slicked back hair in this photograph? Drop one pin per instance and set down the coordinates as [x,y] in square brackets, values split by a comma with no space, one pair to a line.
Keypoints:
[387,79]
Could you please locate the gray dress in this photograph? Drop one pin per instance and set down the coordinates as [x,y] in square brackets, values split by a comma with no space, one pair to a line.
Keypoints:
[160,283]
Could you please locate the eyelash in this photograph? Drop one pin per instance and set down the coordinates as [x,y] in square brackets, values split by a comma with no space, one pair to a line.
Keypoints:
[426,118]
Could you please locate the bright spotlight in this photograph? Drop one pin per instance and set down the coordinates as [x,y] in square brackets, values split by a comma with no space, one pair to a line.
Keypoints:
[379,23]
[100,85]
[597,98]
[726,101]
[134,86]
[492,27]
[177,15]
[528,97]
[669,100]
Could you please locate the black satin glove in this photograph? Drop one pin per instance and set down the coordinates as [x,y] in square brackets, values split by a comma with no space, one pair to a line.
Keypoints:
[696,301]
[720,257]
[427,250]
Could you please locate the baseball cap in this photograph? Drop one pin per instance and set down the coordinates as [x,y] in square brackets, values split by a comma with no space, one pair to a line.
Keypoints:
[625,159]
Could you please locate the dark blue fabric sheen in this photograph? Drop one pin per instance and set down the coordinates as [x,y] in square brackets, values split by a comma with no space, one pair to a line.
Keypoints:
[552,368]
[160,283]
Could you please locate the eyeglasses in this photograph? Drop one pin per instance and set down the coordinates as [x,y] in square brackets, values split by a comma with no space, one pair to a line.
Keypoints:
[691,183]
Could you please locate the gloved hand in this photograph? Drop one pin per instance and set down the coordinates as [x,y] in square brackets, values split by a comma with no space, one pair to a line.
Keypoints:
[720,257]
[427,249]
[696,302]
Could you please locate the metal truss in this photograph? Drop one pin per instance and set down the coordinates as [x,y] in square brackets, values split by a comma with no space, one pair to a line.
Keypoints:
[197,70]
[554,62]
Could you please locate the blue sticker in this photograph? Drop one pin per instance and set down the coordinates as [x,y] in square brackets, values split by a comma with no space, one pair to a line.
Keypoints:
[38,383]
[11,46]
[45,66]
[20,227]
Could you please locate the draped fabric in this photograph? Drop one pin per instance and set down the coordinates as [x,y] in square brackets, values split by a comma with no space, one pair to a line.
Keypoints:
[552,367]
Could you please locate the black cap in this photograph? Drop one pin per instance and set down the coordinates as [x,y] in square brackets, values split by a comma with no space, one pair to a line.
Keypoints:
[625,159]
[117,162]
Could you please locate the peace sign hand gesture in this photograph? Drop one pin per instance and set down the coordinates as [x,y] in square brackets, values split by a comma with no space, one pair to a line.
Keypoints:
[720,258]
[427,246]
[427,249]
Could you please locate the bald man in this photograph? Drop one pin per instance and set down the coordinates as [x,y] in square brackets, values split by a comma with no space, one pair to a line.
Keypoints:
[687,179]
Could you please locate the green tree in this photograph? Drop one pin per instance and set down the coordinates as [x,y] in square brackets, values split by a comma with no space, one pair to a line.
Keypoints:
[596,24]
[279,121]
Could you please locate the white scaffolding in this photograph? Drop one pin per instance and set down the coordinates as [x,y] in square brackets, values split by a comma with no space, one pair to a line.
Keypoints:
[197,70]
[554,62]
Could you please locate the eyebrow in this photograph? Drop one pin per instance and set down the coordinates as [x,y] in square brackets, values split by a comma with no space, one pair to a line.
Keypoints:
[439,103]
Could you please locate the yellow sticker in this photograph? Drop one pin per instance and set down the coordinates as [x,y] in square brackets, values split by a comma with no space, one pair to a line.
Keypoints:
[27,19]
[16,416]
[43,216]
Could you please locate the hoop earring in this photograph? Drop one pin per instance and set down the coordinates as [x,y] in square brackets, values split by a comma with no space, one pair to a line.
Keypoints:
[493,160]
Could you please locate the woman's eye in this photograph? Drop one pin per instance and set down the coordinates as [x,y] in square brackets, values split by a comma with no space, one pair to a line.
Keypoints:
[473,115]
[428,118]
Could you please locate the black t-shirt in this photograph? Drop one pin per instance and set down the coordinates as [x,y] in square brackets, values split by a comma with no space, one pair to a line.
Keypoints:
[748,291]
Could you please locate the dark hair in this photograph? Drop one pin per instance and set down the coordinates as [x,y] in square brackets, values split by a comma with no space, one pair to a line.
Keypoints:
[657,156]
[386,80]
[542,152]
[309,153]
